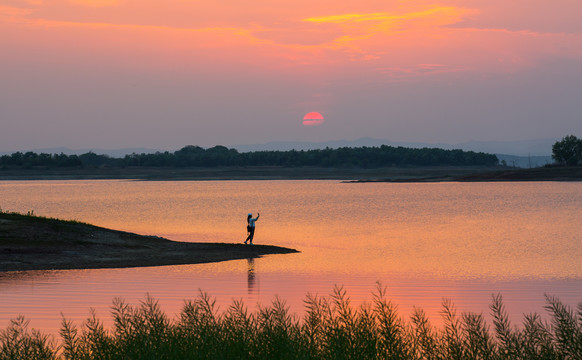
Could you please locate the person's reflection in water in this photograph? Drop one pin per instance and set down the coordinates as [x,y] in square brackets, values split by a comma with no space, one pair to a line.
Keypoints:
[251,275]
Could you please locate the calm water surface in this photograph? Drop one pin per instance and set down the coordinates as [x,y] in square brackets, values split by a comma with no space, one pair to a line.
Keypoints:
[424,242]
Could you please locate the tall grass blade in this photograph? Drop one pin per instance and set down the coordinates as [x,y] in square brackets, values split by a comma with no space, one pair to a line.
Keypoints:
[537,339]
[508,339]
[452,341]
[477,342]
[567,331]
[72,345]
[392,340]
[17,343]
[425,341]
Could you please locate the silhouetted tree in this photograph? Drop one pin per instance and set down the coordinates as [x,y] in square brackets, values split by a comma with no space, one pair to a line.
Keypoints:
[568,150]
[195,156]
[93,160]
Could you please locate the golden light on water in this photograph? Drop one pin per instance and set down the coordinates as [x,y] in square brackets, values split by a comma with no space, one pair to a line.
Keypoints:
[424,242]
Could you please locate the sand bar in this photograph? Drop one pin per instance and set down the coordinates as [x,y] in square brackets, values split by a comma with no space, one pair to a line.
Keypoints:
[38,243]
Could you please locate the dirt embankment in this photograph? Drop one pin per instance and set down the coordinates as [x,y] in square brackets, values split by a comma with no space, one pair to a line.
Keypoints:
[572,173]
[37,243]
[566,173]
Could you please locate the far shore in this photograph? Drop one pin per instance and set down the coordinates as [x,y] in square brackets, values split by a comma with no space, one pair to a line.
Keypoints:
[36,243]
[384,174]
[571,173]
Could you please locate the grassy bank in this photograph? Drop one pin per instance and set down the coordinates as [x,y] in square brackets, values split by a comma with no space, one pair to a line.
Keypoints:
[329,329]
[29,242]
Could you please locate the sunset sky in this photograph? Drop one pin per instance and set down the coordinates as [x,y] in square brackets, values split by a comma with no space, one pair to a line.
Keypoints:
[164,74]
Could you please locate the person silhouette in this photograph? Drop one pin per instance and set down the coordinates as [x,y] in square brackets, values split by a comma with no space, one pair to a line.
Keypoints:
[251,227]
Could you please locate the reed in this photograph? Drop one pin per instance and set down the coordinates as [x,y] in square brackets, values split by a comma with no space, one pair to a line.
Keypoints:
[331,328]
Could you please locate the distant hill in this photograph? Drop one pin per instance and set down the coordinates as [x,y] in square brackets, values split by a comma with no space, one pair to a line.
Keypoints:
[525,161]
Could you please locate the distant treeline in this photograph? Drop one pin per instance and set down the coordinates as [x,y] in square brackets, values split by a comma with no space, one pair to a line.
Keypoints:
[195,156]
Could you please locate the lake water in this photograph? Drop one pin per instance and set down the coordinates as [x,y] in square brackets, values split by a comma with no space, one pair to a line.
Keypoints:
[424,242]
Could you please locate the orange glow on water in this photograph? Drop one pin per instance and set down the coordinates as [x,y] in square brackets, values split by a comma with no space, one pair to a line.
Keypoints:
[451,230]
[425,242]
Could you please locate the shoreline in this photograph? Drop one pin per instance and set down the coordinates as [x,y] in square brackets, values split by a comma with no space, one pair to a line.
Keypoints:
[384,174]
[29,242]
[561,174]
[244,173]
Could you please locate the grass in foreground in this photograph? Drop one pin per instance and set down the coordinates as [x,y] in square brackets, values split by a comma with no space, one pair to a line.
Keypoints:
[330,329]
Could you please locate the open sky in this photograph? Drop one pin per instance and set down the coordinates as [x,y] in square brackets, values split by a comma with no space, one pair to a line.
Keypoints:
[168,73]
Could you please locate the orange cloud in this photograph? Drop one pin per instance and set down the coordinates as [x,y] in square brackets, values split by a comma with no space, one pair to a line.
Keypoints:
[12,14]
[397,72]
[96,3]
[358,27]
[389,40]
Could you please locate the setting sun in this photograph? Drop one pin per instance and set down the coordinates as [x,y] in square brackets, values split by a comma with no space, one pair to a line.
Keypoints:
[313,118]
